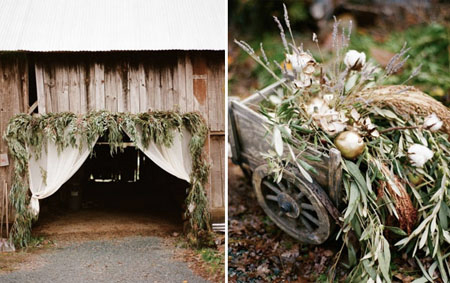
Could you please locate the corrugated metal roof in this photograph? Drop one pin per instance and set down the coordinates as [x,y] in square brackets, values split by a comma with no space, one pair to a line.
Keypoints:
[106,25]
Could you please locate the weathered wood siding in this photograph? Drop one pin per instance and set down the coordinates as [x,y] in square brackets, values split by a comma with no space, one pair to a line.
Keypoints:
[138,82]
[13,100]
[133,82]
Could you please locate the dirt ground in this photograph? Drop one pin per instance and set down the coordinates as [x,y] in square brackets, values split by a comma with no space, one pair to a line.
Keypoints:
[93,224]
[61,231]
[259,250]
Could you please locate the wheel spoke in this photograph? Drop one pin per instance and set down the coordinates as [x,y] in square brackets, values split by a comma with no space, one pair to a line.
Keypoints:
[272,187]
[289,185]
[299,196]
[282,187]
[310,217]
[272,197]
[307,206]
[305,223]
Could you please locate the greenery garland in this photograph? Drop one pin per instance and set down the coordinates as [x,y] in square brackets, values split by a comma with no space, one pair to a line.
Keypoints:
[396,174]
[25,131]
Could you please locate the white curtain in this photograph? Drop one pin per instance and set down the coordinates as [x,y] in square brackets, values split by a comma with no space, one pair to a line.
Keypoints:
[175,159]
[48,173]
[52,169]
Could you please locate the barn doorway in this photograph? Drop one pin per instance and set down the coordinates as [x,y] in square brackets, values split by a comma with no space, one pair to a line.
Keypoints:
[119,194]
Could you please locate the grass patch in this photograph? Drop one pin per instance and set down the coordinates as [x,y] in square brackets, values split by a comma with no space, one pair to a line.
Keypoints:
[214,260]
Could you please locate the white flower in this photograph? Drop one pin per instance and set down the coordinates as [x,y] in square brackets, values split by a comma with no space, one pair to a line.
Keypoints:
[432,123]
[336,127]
[275,99]
[354,60]
[317,105]
[419,154]
[300,68]
[300,61]
[303,82]
[328,98]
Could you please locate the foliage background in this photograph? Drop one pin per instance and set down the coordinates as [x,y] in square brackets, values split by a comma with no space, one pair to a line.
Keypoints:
[427,35]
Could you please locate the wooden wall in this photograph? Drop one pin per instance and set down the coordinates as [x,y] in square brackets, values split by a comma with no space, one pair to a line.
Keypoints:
[13,100]
[138,82]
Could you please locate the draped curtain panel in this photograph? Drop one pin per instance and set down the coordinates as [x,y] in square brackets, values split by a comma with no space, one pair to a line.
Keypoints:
[52,169]
[176,159]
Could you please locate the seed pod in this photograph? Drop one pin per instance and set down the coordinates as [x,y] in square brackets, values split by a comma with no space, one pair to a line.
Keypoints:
[350,144]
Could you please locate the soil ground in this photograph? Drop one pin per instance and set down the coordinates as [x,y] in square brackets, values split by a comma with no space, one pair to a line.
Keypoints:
[259,250]
[106,244]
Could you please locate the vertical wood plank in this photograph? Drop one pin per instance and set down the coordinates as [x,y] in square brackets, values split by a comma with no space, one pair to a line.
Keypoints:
[74,89]
[158,89]
[143,105]
[216,96]
[91,97]
[16,85]
[110,88]
[189,84]
[58,88]
[83,88]
[133,85]
[175,88]
[200,86]
[217,171]
[166,84]
[23,85]
[121,91]
[181,65]
[150,87]
[13,100]
[42,102]
[99,86]
[49,87]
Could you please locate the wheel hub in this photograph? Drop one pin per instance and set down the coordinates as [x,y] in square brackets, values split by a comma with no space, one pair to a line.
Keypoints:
[288,205]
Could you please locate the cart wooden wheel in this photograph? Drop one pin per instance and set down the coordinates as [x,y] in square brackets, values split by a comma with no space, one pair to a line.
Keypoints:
[294,205]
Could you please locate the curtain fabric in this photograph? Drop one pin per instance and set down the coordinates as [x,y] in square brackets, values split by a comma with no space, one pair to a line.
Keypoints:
[176,159]
[52,169]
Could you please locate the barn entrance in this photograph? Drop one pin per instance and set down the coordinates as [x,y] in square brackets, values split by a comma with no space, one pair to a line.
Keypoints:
[118,194]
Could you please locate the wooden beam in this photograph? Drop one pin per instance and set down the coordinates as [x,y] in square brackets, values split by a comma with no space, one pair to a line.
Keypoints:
[32,107]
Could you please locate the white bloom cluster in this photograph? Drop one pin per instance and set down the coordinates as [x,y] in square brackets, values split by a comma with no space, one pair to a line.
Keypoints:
[355,60]
[328,119]
[301,66]
[432,123]
[419,155]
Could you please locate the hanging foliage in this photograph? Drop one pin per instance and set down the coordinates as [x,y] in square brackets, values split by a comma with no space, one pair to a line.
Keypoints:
[26,131]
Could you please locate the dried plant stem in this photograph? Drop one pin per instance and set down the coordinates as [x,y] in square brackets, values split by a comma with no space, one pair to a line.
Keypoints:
[398,128]
[257,59]
[288,24]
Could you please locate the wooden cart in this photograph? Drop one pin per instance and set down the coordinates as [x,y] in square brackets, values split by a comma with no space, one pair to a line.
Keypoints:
[306,211]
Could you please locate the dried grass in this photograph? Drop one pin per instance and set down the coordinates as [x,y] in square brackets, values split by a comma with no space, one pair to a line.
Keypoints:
[408,100]
[407,214]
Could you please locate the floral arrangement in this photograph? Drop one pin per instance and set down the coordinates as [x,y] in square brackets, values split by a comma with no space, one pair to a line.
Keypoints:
[63,128]
[396,174]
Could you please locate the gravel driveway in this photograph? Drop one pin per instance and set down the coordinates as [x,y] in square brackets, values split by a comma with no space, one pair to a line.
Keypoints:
[130,259]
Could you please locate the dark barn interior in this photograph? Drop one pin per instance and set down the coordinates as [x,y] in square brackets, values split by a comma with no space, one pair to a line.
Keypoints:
[122,187]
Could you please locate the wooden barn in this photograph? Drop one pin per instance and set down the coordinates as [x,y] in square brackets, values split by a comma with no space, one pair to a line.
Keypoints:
[78,56]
